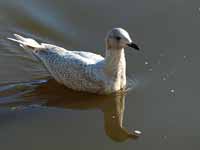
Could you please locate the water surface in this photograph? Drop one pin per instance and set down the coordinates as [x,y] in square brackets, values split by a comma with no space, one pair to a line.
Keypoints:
[164,103]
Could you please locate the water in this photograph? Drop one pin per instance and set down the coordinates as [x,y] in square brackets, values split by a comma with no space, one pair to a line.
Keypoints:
[163,105]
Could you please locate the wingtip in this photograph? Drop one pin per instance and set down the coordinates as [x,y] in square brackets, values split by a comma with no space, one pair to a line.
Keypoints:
[15,40]
[11,39]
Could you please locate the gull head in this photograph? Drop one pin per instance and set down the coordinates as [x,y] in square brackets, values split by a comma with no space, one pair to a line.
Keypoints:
[119,38]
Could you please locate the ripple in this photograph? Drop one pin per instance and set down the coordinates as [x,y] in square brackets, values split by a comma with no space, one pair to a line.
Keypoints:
[11,92]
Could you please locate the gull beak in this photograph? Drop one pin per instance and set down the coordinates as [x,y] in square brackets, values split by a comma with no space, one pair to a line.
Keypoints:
[133,45]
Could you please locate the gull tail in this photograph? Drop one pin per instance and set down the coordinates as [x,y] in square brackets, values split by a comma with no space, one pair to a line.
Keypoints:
[19,65]
[26,43]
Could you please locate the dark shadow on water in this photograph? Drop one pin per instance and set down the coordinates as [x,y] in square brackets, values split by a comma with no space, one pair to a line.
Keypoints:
[52,94]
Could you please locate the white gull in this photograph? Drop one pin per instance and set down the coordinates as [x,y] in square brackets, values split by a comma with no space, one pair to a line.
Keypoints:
[85,71]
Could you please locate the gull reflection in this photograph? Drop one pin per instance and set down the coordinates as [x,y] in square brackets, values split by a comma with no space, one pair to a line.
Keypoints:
[52,94]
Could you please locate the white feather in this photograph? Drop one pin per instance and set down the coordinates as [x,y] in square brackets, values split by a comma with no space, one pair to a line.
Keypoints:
[82,71]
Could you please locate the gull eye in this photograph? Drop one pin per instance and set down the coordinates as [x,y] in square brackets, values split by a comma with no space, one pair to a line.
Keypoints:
[118,38]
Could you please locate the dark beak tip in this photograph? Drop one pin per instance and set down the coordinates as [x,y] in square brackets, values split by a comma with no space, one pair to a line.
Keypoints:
[135,46]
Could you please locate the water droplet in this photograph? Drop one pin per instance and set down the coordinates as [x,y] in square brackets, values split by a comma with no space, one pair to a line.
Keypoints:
[172,91]
[137,132]
[146,62]
[165,77]
[187,59]
[113,117]
[150,69]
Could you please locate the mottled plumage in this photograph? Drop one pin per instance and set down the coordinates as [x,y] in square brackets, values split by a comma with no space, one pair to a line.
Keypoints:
[77,70]
[84,71]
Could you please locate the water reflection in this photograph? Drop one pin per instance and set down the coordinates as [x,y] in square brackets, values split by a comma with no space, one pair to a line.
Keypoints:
[52,94]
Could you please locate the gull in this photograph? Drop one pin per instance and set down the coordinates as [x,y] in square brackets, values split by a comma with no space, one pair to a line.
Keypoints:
[85,71]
